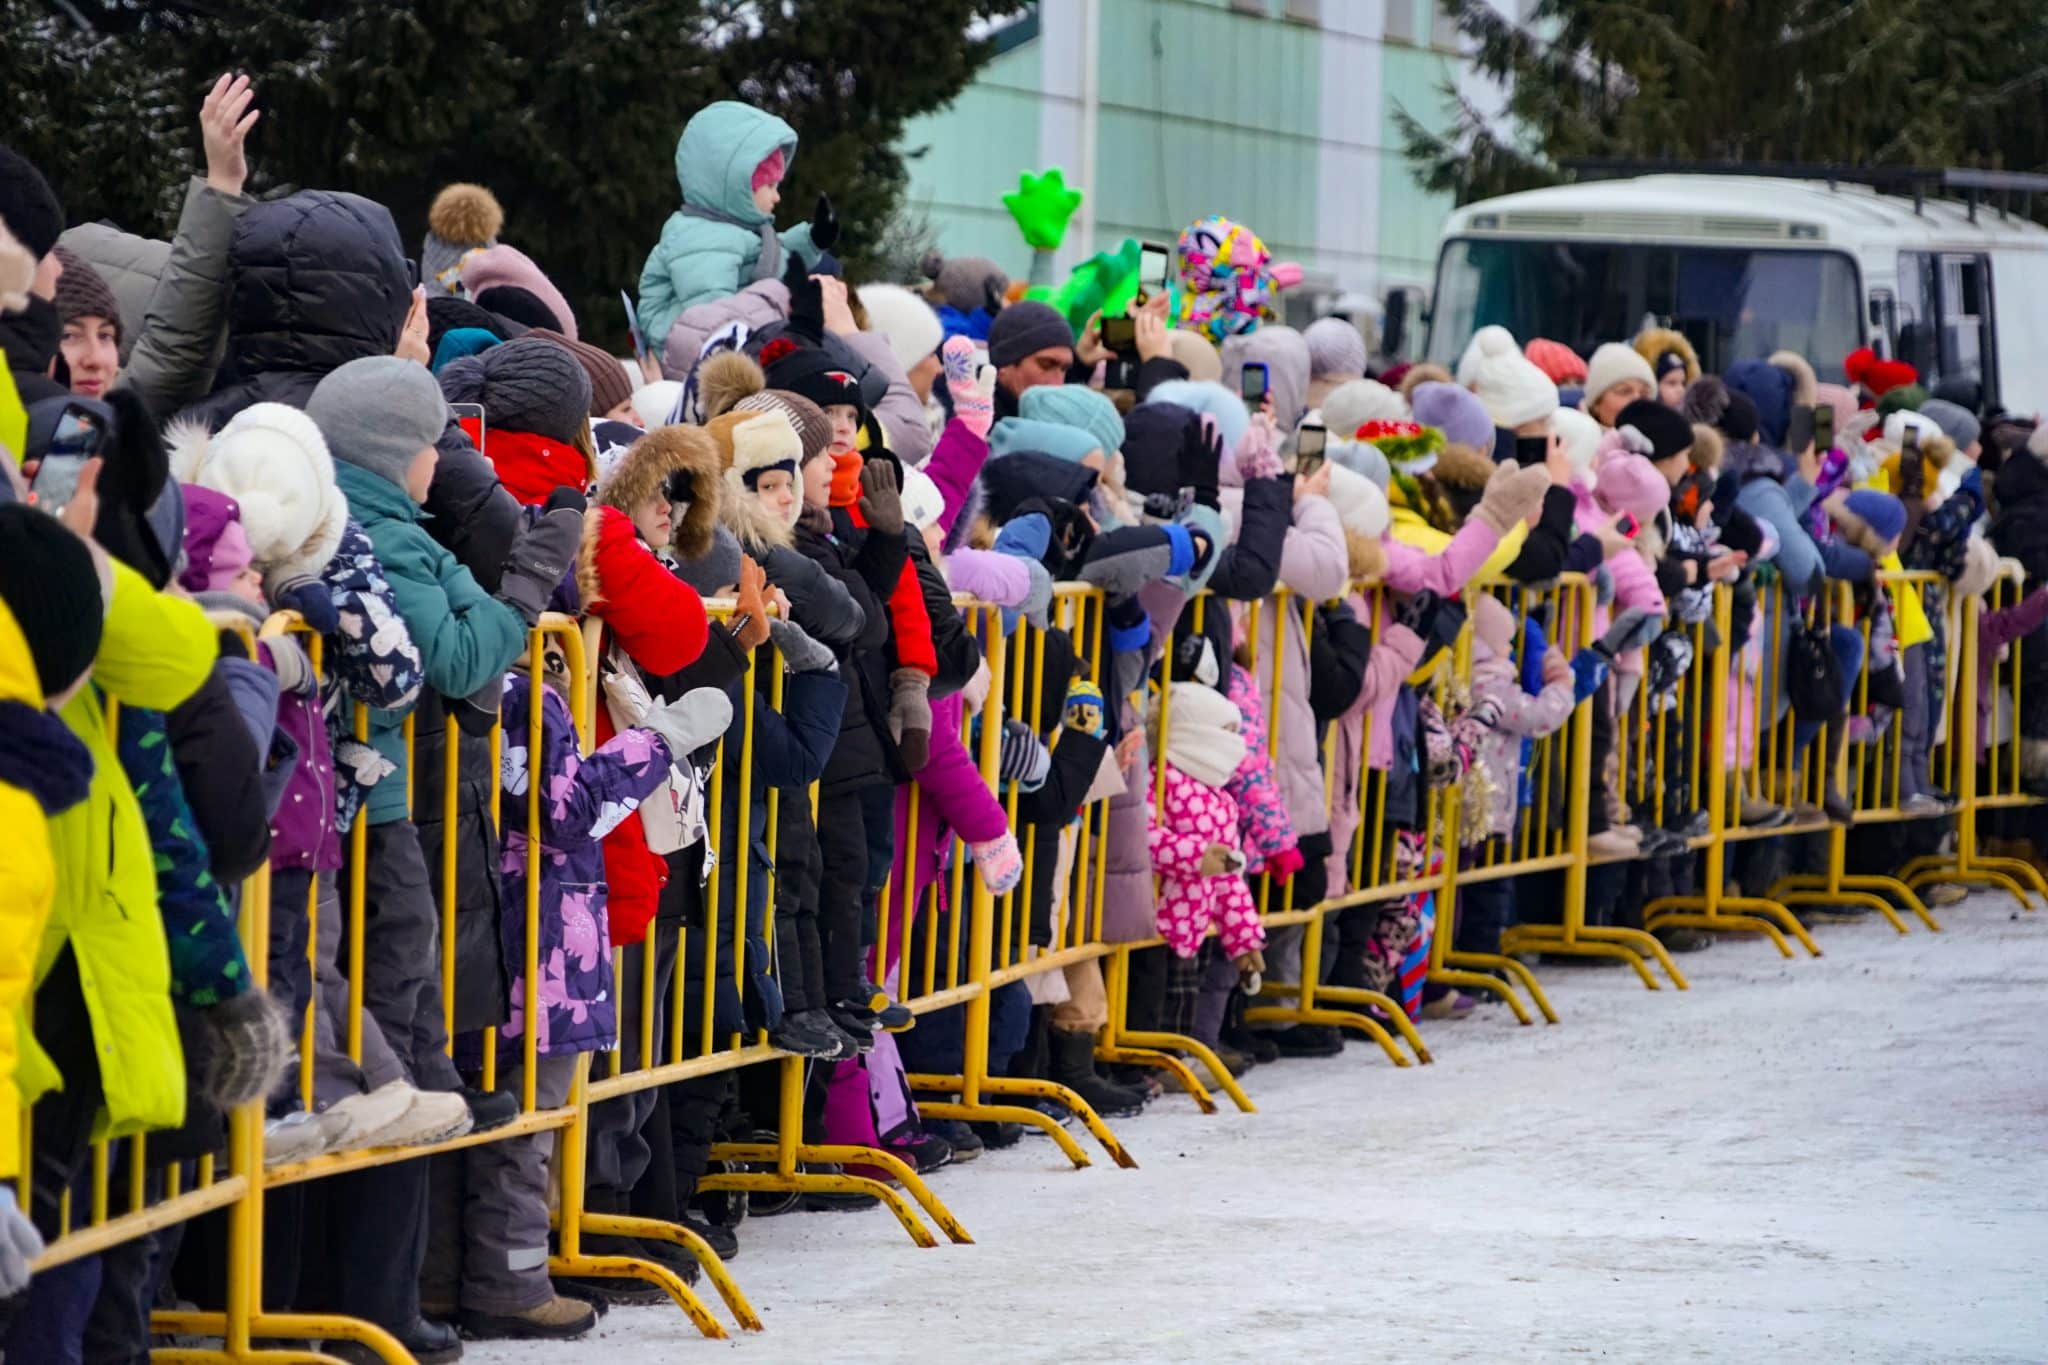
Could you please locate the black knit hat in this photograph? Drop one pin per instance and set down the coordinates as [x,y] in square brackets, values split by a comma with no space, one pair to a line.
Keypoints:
[48,582]
[446,312]
[1668,432]
[27,204]
[520,305]
[811,373]
[1025,328]
[1739,419]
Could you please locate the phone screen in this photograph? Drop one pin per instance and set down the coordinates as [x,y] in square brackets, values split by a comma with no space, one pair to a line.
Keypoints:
[1120,334]
[1531,450]
[1252,384]
[1628,526]
[1824,428]
[1311,439]
[471,418]
[1306,464]
[1154,260]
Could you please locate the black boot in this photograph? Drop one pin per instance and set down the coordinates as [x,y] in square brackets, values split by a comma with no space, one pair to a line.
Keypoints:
[1073,1066]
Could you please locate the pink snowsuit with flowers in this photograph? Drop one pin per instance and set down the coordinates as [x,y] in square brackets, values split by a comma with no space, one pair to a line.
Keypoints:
[1196,816]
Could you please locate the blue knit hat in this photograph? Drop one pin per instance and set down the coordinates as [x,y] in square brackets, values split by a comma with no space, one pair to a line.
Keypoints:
[1884,514]
[1063,442]
[1075,405]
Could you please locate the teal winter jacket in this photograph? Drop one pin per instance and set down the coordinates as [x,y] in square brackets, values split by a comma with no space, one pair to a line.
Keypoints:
[701,259]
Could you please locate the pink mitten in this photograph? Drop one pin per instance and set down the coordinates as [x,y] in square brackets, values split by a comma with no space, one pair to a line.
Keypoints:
[1285,863]
[1258,450]
[974,403]
[1001,865]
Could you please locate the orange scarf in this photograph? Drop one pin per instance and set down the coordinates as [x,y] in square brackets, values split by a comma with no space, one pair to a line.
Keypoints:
[846,479]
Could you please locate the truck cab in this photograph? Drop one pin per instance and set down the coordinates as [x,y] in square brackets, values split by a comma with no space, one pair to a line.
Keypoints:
[1747,264]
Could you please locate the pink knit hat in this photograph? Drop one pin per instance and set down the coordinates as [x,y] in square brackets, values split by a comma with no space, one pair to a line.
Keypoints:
[1493,626]
[1559,361]
[769,172]
[501,264]
[1630,483]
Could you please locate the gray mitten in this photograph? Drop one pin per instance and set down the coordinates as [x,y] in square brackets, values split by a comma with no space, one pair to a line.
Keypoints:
[798,649]
[249,1044]
[540,557]
[1037,604]
[910,716]
[1630,629]
[691,721]
[288,660]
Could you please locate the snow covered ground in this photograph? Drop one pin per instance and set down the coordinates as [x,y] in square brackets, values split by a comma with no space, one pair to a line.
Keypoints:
[1826,1160]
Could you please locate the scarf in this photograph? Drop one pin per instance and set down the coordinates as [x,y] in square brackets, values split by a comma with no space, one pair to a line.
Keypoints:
[1202,736]
[846,479]
[39,754]
[532,466]
[768,264]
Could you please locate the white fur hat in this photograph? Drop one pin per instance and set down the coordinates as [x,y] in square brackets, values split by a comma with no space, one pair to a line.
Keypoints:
[1355,402]
[1581,437]
[923,504]
[1511,386]
[1360,504]
[1895,427]
[652,403]
[764,440]
[905,319]
[1613,362]
[272,460]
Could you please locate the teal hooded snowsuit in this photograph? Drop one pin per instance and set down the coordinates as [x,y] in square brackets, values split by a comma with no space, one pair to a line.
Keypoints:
[699,259]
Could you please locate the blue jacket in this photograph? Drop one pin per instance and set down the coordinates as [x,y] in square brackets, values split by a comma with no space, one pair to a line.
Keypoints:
[697,259]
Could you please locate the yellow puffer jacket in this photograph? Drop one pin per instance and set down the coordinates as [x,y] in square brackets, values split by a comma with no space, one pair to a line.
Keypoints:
[28,881]
[1408,527]
[1908,612]
[154,652]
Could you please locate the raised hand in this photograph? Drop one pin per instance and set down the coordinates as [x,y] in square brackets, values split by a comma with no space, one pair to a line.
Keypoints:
[225,119]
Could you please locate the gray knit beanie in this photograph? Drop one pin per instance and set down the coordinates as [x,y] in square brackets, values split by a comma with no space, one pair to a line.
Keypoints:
[1335,347]
[530,384]
[380,412]
[1024,329]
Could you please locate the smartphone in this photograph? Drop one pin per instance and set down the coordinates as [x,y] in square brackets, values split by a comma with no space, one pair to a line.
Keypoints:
[1628,526]
[1824,428]
[1910,442]
[1309,445]
[1155,260]
[466,414]
[633,326]
[1531,450]
[1799,432]
[1251,385]
[1120,335]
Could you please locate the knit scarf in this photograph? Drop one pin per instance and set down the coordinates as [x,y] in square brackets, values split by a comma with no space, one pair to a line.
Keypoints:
[768,264]
[1201,735]
[39,754]
[846,479]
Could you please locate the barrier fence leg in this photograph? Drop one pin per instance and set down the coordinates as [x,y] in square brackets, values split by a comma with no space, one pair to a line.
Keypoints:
[1139,1048]
[1307,1010]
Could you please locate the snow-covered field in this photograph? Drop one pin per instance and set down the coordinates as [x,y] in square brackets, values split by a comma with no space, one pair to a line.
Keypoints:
[1826,1160]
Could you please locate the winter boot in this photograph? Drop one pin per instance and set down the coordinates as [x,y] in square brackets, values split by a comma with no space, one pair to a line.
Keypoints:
[854,1019]
[558,1319]
[1834,801]
[1308,1040]
[961,1137]
[490,1109]
[811,1033]
[1073,1066]
[890,1017]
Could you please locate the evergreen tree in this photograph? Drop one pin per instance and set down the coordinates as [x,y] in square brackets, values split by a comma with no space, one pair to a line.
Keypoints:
[569,112]
[1846,82]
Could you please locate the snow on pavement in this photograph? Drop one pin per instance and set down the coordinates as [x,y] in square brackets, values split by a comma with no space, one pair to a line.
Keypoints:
[1823,1160]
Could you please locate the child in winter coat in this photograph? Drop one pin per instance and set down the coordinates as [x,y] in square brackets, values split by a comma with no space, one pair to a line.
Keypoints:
[498,1206]
[730,161]
[1196,847]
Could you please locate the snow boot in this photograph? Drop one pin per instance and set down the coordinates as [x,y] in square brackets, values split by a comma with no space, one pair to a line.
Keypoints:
[1073,1066]
[811,1033]
[558,1319]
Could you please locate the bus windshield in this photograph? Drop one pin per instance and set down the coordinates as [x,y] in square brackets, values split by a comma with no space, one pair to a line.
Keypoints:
[1732,303]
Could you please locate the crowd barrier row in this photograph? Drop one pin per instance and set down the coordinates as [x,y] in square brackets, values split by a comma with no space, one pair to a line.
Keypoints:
[1718,734]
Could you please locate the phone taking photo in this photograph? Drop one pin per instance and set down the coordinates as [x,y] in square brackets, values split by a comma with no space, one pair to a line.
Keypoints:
[470,416]
[1799,432]
[1253,382]
[1155,259]
[1531,450]
[1309,446]
[1628,526]
[1120,335]
[1824,428]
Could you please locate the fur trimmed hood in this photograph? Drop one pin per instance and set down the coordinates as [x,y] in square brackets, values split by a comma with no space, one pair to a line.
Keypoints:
[1706,447]
[651,462]
[1805,384]
[1424,373]
[1462,466]
[1654,343]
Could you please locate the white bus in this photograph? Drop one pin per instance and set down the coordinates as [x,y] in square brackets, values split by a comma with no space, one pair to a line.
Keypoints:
[1746,264]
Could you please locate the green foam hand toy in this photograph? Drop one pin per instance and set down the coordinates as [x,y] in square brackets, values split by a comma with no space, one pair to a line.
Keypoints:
[1042,208]
[1104,283]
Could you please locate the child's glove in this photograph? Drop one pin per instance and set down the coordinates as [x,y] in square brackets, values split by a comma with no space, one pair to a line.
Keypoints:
[1000,864]
[1220,860]
[798,650]
[310,599]
[881,502]
[1084,710]
[248,1044]
[1024,760]
[824,225]
[691,721]
[20,1244]
[1589,671]
[1285,863]
[910,716]
[974,395]
[542,554]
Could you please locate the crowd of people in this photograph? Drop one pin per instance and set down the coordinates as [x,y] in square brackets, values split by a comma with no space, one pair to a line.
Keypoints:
[277,412]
